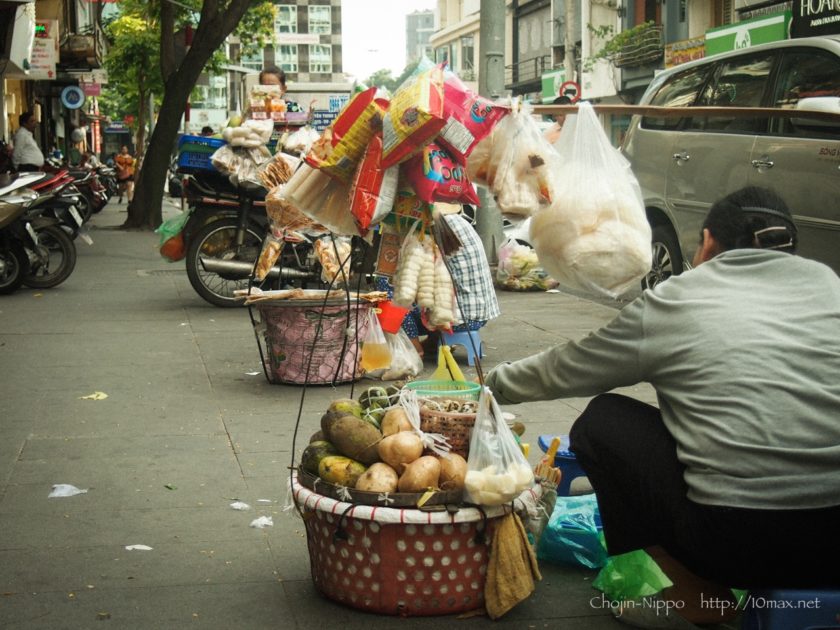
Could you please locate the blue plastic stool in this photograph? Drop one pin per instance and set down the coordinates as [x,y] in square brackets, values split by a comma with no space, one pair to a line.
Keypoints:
[565,460]
[791,610]
[465,338]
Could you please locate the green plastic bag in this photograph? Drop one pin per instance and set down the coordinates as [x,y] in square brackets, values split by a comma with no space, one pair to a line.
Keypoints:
[172,226]
[631,576]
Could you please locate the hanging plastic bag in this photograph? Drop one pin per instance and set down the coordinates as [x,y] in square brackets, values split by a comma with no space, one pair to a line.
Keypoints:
[405,361]
[595,234]
[374,188]
[375,353]
[573,534]
[334,254]
[171,237]
[271,249]
[436,176]
[516,163]
[497,470]
[416,261]
[631,576]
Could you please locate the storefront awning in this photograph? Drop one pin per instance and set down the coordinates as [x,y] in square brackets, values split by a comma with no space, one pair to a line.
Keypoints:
[762,30]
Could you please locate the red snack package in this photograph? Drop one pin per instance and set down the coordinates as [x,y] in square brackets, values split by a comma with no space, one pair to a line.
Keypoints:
[469,117]
[374,188]
[414,117]
[436,176]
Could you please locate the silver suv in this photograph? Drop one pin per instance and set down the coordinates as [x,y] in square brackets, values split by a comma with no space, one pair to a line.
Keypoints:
[686,164]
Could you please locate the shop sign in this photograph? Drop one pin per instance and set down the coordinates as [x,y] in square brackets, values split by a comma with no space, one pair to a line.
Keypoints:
[44,51]
[551,82]
[72,97]
[683,51]
[815,17]
[91,89]
[321,119]
[747,33]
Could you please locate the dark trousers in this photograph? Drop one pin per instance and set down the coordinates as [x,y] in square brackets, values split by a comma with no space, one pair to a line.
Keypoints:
[631,461]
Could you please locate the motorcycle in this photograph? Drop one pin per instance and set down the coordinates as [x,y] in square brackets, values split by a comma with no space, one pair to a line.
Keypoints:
[50,253]
[223,239]
[14,260]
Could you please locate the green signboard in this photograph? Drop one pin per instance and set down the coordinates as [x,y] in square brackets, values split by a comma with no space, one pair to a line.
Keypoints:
[761,30]
[551,82]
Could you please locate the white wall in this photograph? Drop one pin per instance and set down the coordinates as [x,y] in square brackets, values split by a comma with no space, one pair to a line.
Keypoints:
[602,79]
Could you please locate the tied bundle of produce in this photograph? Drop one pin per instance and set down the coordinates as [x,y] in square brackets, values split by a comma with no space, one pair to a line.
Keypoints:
[595,235]
[436,176]
[497,471]
[415,116]
[374,188]
[516,163]
[322,199]
[469,117]
[343,143]
[519,269]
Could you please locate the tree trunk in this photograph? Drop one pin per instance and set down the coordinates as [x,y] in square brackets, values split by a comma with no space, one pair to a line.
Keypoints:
[218,20]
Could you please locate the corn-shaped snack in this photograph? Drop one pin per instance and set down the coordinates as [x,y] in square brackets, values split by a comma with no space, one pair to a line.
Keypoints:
[442,312]
[408,272]
[426,281]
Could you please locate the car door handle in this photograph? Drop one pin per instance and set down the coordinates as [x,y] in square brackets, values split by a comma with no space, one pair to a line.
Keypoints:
[682,156]
[762,163]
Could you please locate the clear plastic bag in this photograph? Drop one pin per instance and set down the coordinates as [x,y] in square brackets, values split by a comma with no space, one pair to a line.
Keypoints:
[573,534]
[519,269]
[375,351]
[405,361]
[497,470]
[595,234]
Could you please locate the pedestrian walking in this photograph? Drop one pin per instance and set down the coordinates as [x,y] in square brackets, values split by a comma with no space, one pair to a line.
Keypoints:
[125,174]
[743,453]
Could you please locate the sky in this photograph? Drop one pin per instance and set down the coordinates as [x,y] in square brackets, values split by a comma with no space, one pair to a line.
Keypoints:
[373,34]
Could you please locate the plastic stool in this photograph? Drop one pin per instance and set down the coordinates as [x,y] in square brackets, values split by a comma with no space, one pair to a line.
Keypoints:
[468,338]
[565,460]
[791,610]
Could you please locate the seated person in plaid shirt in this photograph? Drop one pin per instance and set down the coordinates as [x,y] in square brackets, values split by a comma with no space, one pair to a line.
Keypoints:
[474,291]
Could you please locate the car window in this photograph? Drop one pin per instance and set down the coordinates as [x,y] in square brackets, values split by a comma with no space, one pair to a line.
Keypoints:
[806,74]
[679,91]
[738,82]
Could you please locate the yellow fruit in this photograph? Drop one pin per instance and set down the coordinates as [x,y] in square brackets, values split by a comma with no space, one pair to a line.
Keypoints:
[340,470]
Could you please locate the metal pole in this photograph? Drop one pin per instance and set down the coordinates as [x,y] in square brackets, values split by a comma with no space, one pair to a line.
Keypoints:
[571,38]
[491,84]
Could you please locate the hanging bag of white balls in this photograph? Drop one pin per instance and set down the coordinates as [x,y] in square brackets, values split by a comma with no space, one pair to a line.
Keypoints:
[595,235]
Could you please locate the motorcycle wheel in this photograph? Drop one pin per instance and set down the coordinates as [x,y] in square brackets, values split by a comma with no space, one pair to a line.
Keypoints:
[14,265]
[59,259]
[217,240]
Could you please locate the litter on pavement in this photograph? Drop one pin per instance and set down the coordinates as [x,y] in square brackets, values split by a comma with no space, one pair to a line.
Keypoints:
[60,490]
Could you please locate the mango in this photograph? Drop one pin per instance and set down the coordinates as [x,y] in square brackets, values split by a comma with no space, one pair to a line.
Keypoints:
[346,406]
[342,471]
[314,453]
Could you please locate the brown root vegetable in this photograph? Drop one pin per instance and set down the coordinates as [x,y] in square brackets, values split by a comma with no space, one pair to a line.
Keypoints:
[378,478]
[420,475]
[453,472]
[394,421]
[400,448]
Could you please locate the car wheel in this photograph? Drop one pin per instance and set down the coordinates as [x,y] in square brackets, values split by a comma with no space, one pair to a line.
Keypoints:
[667,258]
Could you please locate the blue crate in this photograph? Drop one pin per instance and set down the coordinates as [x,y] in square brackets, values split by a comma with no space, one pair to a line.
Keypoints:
[189,162]
[201,141]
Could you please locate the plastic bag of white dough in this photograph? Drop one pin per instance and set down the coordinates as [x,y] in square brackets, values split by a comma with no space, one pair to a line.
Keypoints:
[594,235]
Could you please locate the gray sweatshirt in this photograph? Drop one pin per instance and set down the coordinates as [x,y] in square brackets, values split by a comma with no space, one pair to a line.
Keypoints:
[744,354]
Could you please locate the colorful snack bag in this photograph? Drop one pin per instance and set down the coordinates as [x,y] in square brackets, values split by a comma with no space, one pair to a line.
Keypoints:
[374,188]
[469,117]
[348,135]
[436,176]
[414,118]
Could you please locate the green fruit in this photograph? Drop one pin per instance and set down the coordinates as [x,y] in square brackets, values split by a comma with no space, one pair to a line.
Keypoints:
[340,470]
[314,453]
[378,397]
[346,406]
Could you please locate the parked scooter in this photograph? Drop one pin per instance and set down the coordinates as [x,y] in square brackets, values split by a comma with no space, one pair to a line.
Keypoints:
[50,253]
[14,260]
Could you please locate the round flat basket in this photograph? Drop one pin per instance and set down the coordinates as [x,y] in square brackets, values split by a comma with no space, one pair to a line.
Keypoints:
[445,389]
[451,499]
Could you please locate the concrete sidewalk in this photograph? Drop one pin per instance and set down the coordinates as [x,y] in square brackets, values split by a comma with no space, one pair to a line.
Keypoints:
[189,425]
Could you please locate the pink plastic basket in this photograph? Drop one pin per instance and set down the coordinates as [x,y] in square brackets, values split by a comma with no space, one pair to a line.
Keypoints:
[292,338]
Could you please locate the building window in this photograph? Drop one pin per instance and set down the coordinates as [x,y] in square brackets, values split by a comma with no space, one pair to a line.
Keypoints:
[286,57]
[467,58]
[320,20]
[253,62]
[286,19]
[320,58]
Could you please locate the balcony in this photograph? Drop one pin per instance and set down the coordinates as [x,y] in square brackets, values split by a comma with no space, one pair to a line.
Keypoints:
[82,50]
[526,75]
[638,46]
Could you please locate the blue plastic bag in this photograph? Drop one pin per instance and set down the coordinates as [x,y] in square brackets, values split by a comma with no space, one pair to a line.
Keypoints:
[573,534]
